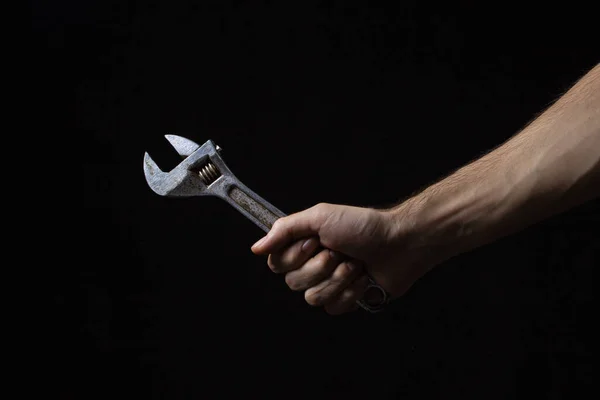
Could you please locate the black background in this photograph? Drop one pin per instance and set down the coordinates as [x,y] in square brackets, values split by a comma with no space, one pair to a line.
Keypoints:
[312,102]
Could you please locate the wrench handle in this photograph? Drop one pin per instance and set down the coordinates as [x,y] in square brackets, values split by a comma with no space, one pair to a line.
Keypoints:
[264,214]
[257,209]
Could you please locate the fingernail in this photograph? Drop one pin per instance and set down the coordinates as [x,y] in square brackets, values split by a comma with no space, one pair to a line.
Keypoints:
[259,242]
[334,255]
[309,244]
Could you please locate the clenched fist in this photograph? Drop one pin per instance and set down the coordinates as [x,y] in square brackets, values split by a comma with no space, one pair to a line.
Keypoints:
[327,251]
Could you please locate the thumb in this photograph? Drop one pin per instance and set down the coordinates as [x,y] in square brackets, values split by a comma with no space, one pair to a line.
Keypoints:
[287,230]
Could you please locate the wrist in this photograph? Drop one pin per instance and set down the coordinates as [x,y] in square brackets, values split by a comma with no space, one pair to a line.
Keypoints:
[445,220]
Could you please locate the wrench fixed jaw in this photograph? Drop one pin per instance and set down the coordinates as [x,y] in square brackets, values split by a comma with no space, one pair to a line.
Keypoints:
[178,182]
[191,177]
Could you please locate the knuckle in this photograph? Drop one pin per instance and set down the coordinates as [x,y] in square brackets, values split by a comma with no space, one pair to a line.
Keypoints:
[321,209]
[273,265]
[287,258]
[277,225]
[295,249]
[345,271]
[321,262]
[292,283]
[348,294]
[312,298]
[321,205]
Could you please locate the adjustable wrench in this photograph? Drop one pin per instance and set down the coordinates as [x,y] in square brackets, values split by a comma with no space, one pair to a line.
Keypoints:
[204,173]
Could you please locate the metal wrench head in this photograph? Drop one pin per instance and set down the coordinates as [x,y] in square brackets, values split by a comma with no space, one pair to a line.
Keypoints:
[202,165]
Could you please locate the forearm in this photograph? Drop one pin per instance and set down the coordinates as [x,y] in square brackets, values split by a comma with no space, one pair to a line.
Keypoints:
[551,165]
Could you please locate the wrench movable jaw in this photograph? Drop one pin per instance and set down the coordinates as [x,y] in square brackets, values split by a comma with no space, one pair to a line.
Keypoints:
[183,146]
[191,177]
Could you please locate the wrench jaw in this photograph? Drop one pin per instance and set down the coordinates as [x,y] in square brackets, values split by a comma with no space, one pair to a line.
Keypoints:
[184,147]
[191,177]
[175,183]
[156,178]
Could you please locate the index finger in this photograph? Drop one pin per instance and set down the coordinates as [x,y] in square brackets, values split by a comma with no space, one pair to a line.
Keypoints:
[287,230]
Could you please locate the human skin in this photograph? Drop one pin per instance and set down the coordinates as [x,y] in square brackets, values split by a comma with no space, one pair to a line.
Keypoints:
[550,166]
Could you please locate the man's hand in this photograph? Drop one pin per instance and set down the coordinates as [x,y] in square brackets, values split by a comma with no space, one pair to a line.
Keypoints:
[326,250]
[553,164]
